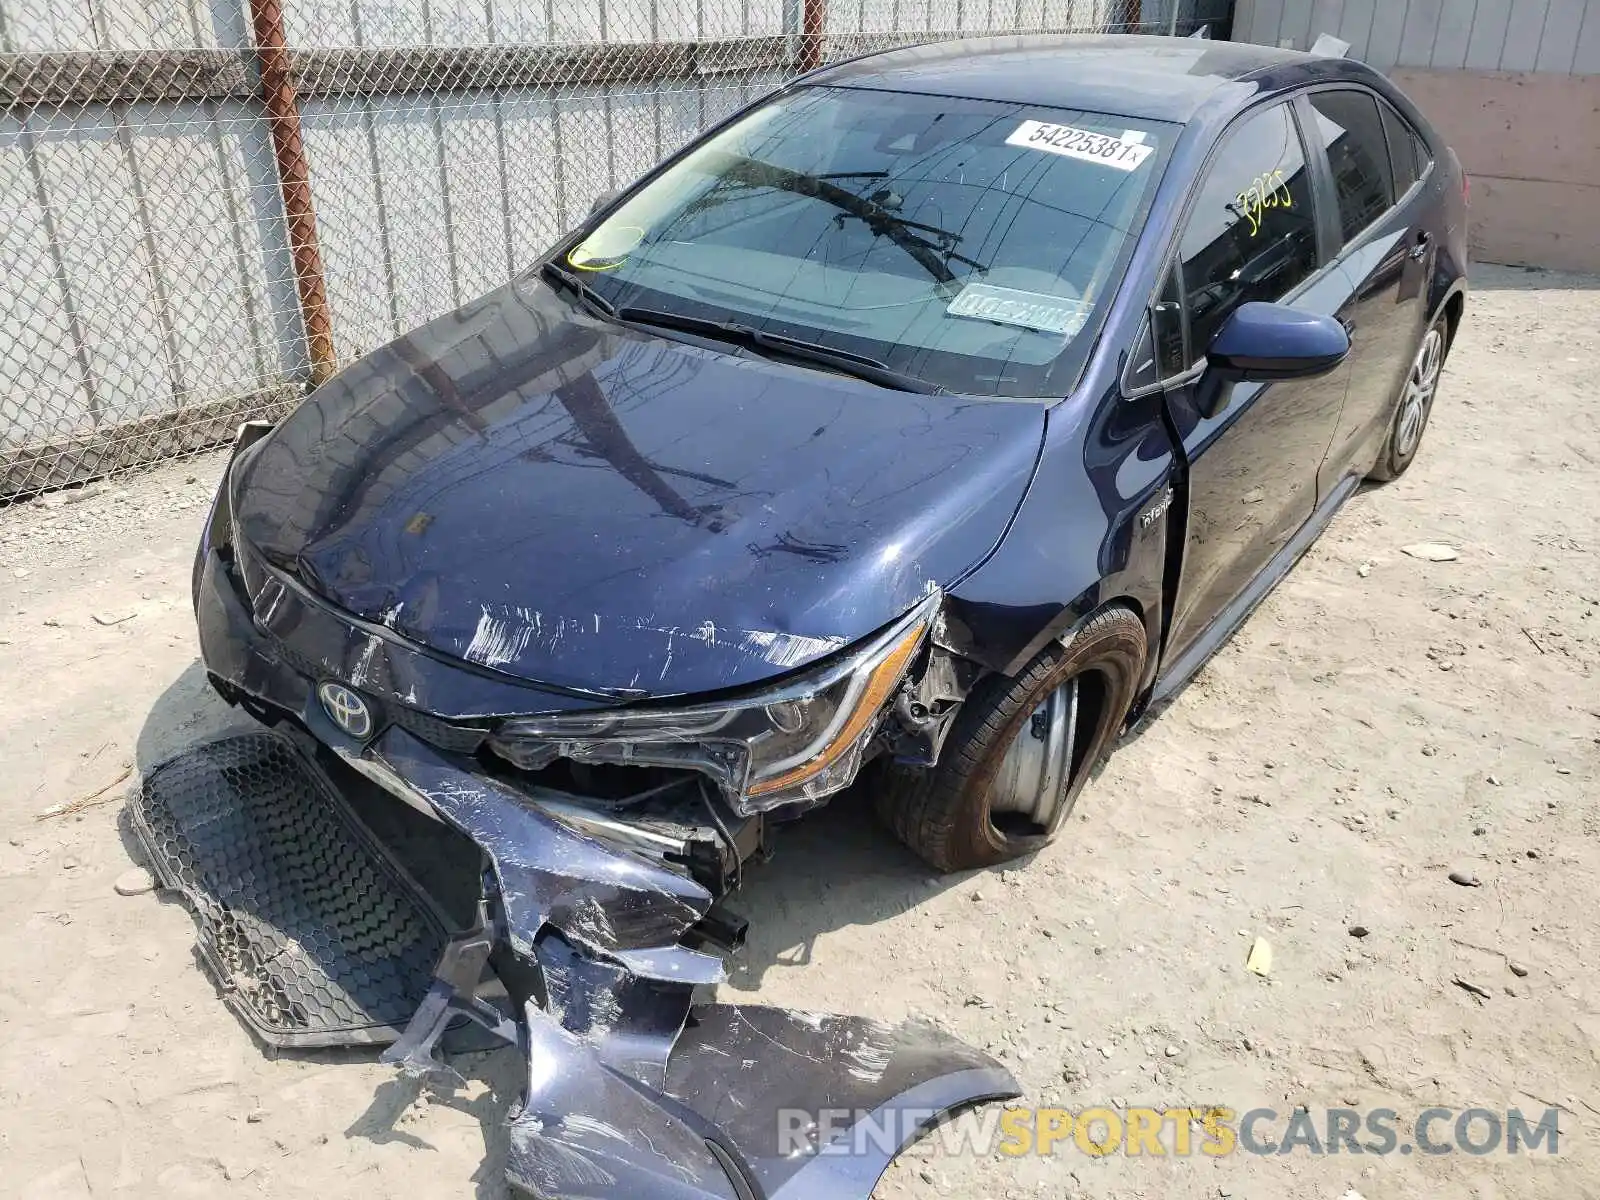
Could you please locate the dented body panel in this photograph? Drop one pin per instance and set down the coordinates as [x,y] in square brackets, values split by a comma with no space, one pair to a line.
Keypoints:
[528,490]
[728,1117]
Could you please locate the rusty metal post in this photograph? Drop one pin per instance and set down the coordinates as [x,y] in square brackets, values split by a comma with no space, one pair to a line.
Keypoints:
[814,24]
[294,181]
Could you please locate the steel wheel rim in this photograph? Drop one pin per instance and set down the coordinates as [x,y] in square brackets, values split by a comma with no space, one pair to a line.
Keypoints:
[1421,383]
[1036,774]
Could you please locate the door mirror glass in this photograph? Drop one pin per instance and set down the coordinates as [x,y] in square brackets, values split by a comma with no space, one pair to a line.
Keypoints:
[1260,342]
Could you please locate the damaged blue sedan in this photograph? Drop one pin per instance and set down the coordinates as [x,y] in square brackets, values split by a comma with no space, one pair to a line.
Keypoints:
[920,427]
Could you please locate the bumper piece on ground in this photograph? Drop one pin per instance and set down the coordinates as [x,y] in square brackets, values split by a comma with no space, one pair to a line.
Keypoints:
[319,937]
[741,1101]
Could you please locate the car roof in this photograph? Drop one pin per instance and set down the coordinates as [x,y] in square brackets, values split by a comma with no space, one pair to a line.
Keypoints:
[1156,78]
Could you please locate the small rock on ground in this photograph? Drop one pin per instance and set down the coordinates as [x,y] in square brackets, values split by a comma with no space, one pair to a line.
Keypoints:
[136,882]
[1431,552]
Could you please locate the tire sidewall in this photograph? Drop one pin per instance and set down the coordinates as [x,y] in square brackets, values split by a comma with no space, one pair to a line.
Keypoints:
[1394,462]
[1105,651]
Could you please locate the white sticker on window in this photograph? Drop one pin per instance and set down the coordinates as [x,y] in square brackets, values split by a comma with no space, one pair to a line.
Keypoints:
[1030,310]
[1125,153]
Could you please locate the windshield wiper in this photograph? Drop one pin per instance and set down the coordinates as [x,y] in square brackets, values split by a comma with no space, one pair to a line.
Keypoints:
[844,361]
[933,253]
[597,304]
[859,365]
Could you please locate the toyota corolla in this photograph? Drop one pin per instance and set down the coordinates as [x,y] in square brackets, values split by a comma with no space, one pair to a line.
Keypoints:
[919,427]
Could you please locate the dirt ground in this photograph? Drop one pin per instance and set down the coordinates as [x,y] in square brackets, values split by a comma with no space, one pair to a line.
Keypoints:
[1380,722]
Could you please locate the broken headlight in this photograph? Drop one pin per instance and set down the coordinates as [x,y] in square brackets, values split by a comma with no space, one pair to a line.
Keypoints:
[800,740]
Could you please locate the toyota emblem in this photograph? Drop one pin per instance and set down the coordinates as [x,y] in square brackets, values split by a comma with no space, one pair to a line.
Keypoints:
[346,709]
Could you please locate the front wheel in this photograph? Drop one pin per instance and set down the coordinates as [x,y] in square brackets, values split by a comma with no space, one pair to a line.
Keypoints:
[1020,751]
[1416,404]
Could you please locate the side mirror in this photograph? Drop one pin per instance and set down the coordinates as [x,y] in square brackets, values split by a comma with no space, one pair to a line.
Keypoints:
[1261,342]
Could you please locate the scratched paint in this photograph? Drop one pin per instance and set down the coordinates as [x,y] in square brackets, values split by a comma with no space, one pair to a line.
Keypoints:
[363,668]
[787,649]
[497,641]
[506,632]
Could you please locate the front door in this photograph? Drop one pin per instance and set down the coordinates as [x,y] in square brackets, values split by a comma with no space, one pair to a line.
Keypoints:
[1251,234]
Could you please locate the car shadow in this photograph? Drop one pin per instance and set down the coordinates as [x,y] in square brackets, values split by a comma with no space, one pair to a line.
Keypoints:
[834,868]
[187,713]
[499,1074]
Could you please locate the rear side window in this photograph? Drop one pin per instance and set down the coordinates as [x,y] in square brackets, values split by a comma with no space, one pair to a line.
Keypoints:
[1405,149]
[1420,154]
[1358,152]
[1252,234]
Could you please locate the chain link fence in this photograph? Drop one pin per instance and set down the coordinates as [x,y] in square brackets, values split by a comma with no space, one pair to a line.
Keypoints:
[210,204]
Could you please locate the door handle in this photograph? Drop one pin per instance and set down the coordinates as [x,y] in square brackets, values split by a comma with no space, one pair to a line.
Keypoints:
[1420,250]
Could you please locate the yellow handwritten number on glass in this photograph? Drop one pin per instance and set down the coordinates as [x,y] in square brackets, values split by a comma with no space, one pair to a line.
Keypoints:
[1265,191]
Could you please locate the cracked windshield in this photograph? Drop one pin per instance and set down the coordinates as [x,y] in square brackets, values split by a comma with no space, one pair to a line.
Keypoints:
[965,245]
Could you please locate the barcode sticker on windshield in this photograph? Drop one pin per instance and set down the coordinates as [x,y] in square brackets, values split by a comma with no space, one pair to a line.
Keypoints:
[1031,310]
[1124,153]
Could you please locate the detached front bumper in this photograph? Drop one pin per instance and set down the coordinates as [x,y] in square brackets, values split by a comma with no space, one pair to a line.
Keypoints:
[599,930]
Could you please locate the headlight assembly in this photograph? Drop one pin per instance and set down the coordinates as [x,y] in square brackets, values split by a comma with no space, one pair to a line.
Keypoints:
[799,741]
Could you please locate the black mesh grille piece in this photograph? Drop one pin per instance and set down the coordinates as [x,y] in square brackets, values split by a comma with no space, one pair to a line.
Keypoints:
[314,935]
[447,735]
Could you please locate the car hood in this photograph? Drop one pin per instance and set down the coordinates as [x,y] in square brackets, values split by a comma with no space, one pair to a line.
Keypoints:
[580,505]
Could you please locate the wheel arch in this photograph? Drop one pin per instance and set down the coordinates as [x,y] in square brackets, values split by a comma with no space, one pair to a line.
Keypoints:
[1452,306]
[1455,307]
[1062,628]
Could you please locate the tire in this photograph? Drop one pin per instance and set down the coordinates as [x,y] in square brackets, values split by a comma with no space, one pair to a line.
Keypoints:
[944,813]
[1415,405]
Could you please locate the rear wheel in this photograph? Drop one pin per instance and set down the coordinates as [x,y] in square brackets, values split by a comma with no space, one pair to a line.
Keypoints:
[1020,751]
[1416,404]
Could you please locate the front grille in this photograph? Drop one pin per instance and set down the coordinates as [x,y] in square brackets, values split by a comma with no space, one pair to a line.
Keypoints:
[446,735]
[436,731]
[300,663]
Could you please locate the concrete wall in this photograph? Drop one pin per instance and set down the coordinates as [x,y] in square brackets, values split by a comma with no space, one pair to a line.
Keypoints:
[1531,144]
[1549,36]
[1514,85]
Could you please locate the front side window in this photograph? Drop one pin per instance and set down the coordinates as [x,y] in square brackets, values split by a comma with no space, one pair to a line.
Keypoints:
[971,244]
[1167,321]
[1251,233]
[1358,153]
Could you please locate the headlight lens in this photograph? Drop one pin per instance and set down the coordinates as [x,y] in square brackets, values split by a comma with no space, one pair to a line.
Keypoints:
[800,741]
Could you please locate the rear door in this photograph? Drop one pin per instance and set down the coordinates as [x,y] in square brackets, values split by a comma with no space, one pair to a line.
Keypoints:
[1372,184]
